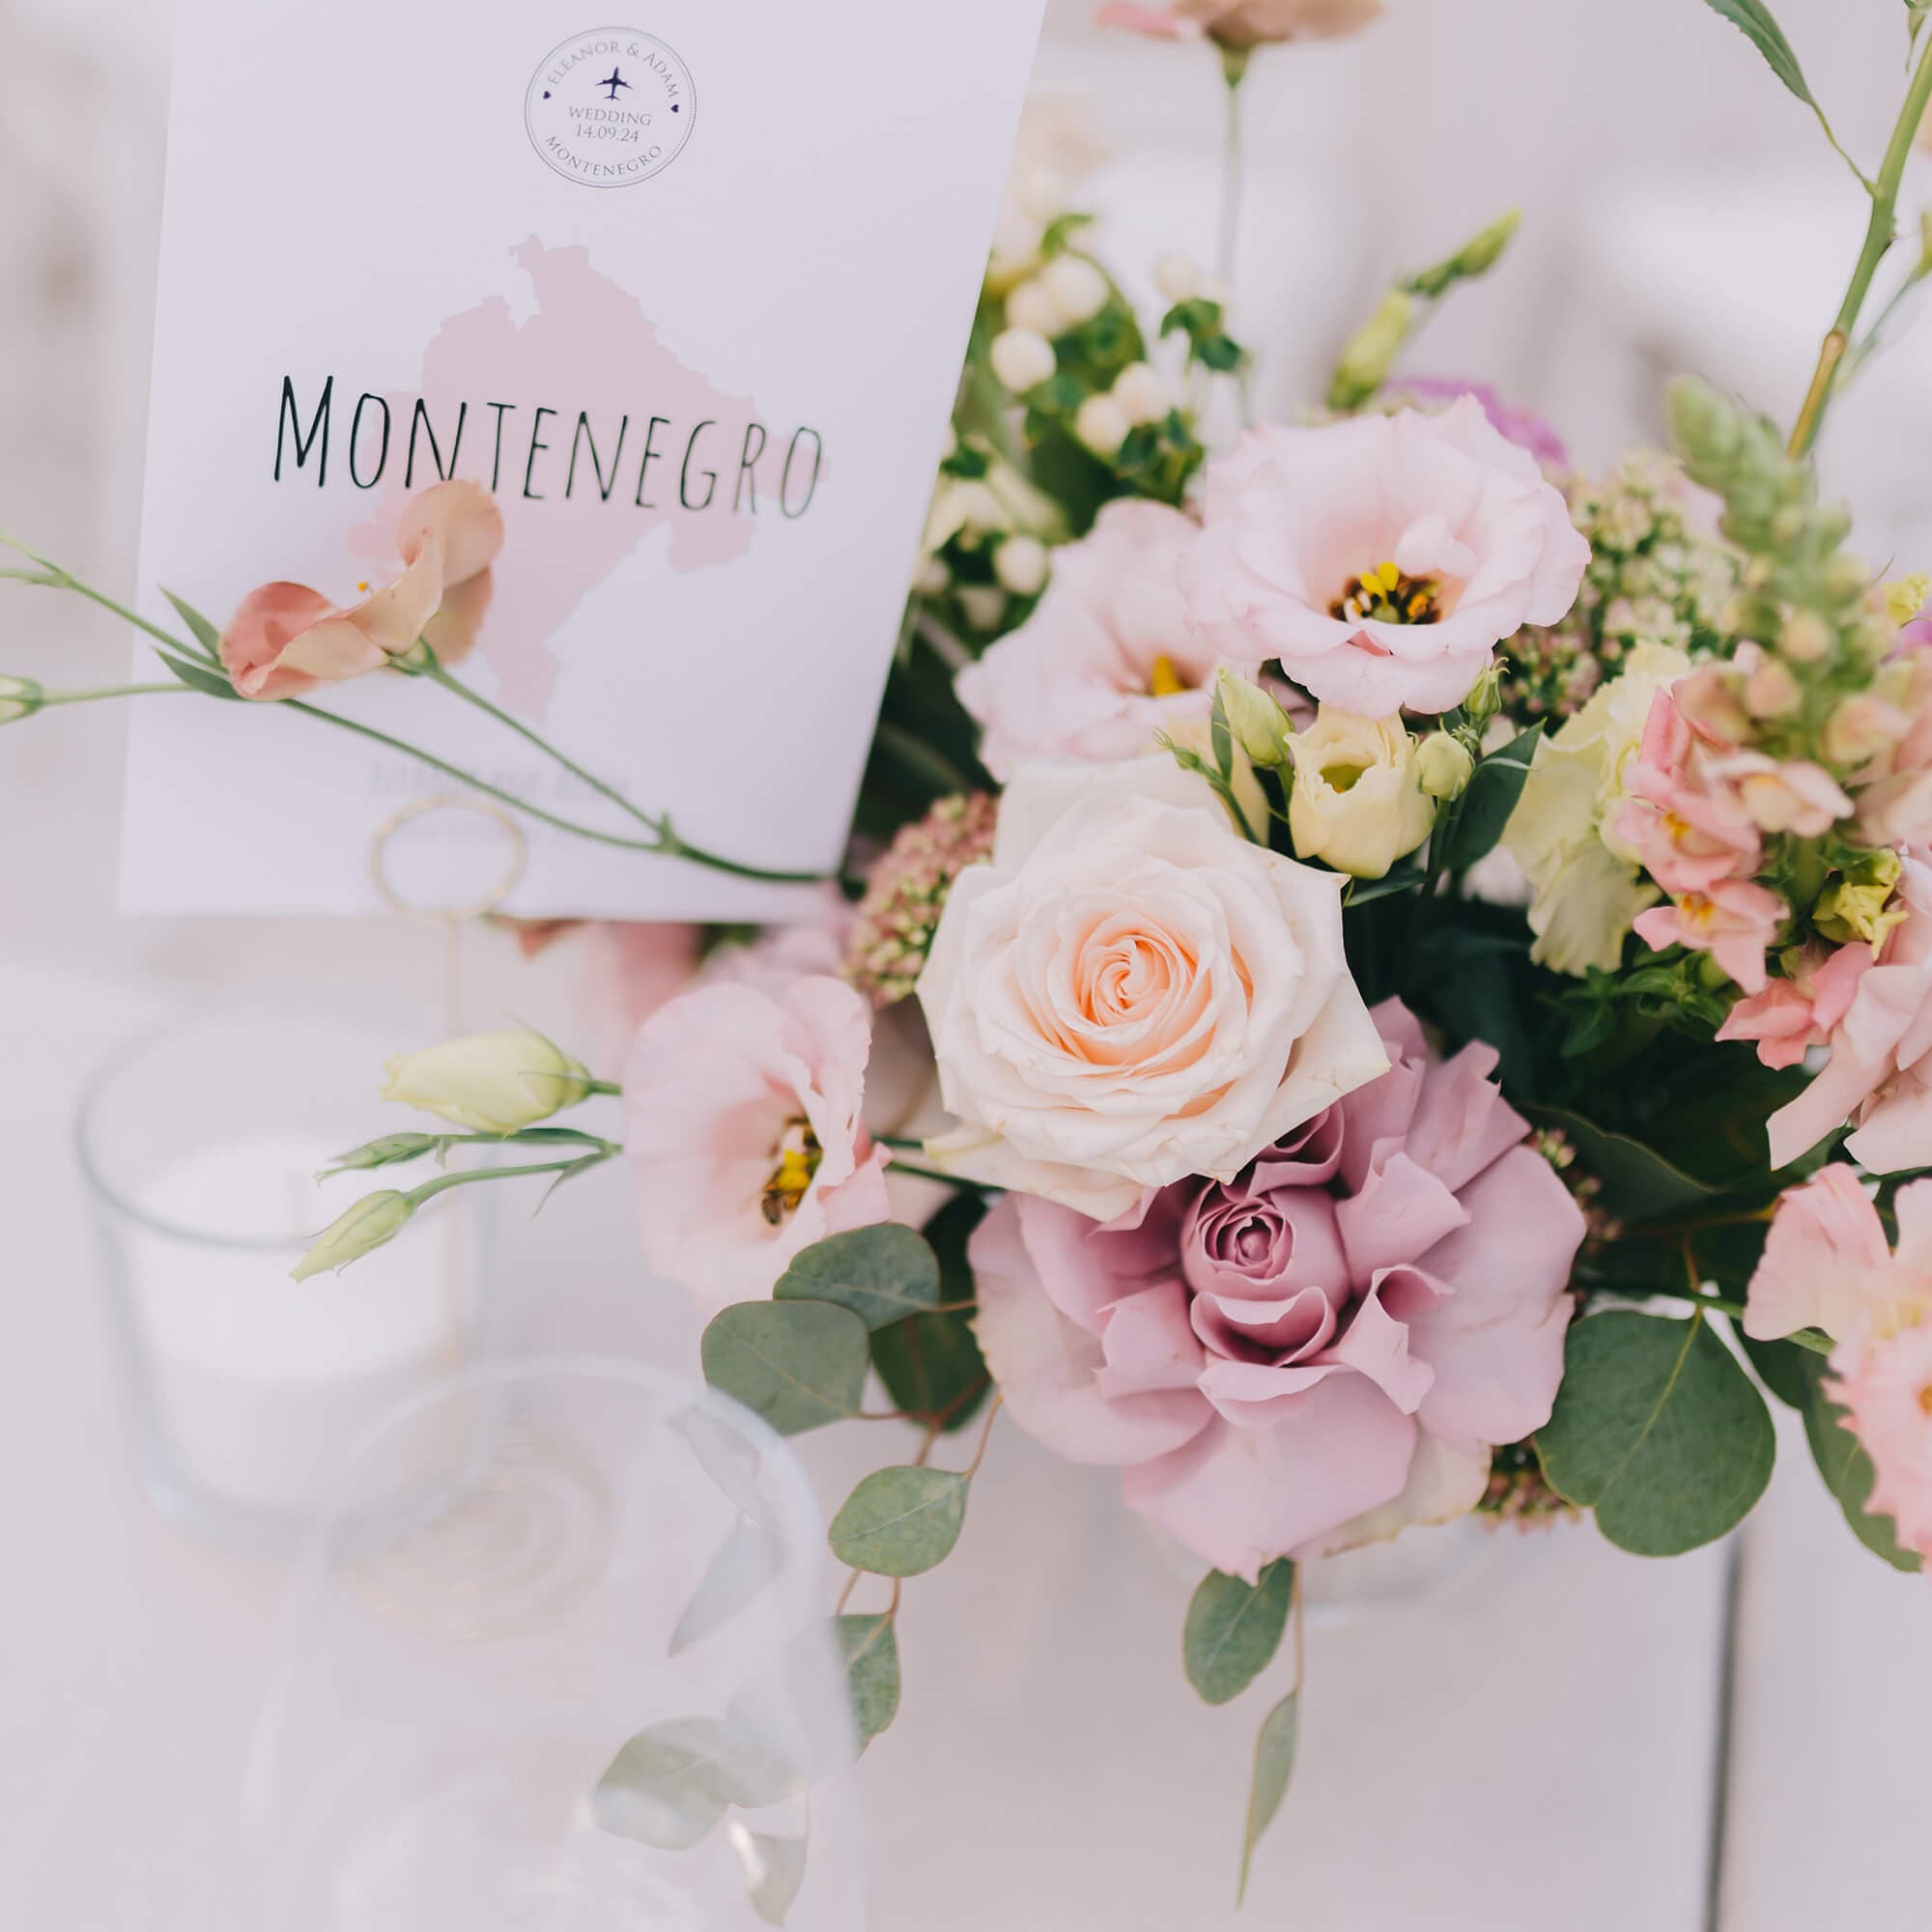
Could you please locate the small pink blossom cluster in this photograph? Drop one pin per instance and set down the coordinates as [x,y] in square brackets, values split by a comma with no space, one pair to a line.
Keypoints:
[1827,1266]
[906,890]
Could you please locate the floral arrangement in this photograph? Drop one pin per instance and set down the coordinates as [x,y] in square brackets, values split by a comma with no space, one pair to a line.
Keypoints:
[1380,979]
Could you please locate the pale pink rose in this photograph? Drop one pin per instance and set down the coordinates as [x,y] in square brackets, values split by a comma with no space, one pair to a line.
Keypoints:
[1734,921]
[1476,542]
[1131,993]
[1792,1015]
[1242,23]
[285,639]
[1108,660]
[1886,1391]
[743,1125]
[1880,1073]
[1317,1351]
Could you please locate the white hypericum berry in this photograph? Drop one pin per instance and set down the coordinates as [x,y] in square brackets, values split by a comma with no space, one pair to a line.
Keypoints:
[985,604]
[1023,359]
[1103,425]
[977,509]
[1178,276]
[931,576]
[1022,564]
[1078,289]
[1029,305]
[1142,395]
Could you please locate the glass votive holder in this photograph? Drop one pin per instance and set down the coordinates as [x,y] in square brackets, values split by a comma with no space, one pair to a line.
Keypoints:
[595,1690]
[201,1144]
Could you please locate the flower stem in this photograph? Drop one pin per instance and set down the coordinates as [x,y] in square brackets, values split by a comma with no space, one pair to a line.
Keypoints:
[1880,234]
[49,698]
[917,1173]
[430,1189]
[1235,66]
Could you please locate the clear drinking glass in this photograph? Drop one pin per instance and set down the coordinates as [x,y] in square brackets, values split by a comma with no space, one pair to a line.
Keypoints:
[200,1144]
[631,1578]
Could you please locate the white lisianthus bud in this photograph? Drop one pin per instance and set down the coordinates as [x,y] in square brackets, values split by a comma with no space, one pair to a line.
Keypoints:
[1355,803]
[1178,276]
[1260,726]
[373,1221]
[1078,288]
[1142,395]
[20,697]
[1022,565]
[492,1083]
[931,576]
[1444,765]
[1029,305]
[1023,359]
[985,604]
[1805,636]
[1103,425]
[1246,803]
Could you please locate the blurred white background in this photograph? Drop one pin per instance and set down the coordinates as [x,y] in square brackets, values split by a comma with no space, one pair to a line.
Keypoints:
[1681,209]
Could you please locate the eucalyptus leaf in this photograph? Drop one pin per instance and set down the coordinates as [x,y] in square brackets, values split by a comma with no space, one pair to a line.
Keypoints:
[664,1788]
[931,1364]
[746,1560]
[1640,1186]
[1659,1430]
[1233,1630]
[773,1870]
[1483,810]
[1754,19]
[730,1461]
[799,1364]
[871,1649]
[1274,1766]
[882,1273]
[199,628]
[1841,1457]
[901,1523]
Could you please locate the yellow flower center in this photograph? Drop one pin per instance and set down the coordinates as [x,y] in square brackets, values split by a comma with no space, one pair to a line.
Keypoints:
[1164,678]
[796,1156]
[1342,778]
[1697,912]
[1388,596]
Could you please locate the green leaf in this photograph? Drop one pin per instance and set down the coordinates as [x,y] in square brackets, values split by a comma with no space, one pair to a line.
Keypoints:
[1233,1630]
[871,1649]
[199,628]
[774,1871]
[931,1364]
[665,1787]
[1274,1766]
[799,1364]
[1219,353]
[1640,1186]
[1754,19]
[901,1523]
[746,1560]
[198,676]
[1659,1430]
[881,1273]
[1782,1367]
[1491,796]
[1401,879]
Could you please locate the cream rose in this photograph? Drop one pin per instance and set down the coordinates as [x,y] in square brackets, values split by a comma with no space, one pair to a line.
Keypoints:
[1131,993]
[1357,802]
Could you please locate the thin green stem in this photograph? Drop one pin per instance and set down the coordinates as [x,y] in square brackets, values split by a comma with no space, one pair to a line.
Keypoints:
[1880,234]
[49,698]
[1716,1304]
[1233,179]
[916,1173]
[430,1189]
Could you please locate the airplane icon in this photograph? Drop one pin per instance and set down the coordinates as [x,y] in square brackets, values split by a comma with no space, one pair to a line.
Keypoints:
[614,82]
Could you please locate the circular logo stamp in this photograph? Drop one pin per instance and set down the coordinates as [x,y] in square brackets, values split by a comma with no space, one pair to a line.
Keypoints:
[611,107]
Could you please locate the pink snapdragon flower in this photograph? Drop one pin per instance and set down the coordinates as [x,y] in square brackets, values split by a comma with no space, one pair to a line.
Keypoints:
[1733,920]
[743,1114]
[285,639]
[1317,1353]
[1380,559]
[1790,1016]
[1827,1266]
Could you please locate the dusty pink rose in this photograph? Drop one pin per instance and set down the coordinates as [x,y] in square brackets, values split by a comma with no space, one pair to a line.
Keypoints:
[285,639]
[1792,1015]
[1880,1073]
[1108,660]
[1827,1266]
[1734,921]
[743,1112]
[1382,558]
[1317,1353]
[1242,23]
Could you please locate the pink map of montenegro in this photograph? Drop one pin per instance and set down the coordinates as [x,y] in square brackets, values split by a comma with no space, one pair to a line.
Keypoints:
[593,435]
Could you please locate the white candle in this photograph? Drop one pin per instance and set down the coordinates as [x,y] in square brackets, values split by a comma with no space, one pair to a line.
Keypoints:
[261,1386]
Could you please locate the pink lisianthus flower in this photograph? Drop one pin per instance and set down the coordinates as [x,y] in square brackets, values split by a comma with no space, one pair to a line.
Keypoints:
[1107,661]
[1790,1016]
[1523,427]
[1382,558]
[1827,1266]
[1880,1073]
[1240,24]
[286,638]
[744,1123]
[1733,920]
[1317,1353]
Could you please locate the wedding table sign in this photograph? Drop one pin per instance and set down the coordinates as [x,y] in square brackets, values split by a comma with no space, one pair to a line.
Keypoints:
[688,292]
